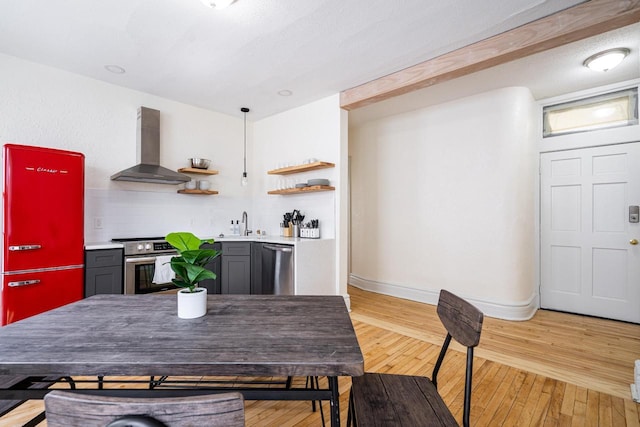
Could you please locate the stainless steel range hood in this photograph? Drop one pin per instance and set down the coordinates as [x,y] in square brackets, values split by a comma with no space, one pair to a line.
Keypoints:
[148,168]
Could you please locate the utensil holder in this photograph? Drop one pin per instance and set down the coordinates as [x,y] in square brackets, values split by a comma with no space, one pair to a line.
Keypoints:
[310,233]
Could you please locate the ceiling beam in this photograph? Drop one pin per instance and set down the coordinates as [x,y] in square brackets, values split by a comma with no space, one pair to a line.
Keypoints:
[576,23]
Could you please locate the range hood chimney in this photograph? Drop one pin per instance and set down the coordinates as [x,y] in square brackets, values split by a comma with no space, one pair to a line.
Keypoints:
[148,168]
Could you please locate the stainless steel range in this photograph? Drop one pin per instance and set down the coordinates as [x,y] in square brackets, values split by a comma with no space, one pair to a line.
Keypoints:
[140,255]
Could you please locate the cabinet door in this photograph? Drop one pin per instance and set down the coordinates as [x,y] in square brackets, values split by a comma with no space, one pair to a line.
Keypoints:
[103,280]
[256,269]
[104,258]
[103,272]
[236,274]
[213,285]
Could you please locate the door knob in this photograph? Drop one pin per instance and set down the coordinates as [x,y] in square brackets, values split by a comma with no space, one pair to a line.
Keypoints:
[633,241]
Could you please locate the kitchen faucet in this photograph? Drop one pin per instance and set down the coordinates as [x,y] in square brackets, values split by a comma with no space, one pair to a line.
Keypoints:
[245,221]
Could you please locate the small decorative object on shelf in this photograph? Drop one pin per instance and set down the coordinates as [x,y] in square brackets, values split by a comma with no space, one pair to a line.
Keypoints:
[193,187]
[310,187]
[200,163]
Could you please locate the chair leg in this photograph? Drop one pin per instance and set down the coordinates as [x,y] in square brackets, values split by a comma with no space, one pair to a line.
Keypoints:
[314,384]
[350,414]
[72,383]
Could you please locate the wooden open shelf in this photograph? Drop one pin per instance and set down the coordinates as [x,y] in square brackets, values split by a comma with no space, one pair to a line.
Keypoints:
[207,192]
[301,168]
[310,189]
[198,171]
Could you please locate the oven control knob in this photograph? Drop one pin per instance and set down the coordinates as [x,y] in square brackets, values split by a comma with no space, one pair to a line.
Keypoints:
[148,246]
[140,247]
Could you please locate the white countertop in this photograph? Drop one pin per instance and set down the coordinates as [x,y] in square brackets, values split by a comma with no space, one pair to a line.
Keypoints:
[267,239]
[90,246]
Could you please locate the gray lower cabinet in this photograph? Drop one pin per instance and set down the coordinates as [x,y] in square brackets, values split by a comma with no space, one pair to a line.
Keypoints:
[236,268]
[256,269]
[213,285]
[103,272]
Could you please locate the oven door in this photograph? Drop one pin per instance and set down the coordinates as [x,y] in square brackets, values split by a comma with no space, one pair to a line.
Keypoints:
[138,276]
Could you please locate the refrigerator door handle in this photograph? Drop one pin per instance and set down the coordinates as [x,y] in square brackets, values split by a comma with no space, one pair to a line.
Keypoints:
[24,247]
[23,283]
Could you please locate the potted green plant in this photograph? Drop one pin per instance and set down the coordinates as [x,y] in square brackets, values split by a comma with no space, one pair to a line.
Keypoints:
[190,269]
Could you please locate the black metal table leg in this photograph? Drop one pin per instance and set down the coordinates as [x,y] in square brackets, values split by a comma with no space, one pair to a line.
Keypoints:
[335,401]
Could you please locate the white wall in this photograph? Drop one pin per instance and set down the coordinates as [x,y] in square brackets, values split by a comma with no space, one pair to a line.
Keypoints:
[314,130]
[443,197]
[310,131]
[44,106]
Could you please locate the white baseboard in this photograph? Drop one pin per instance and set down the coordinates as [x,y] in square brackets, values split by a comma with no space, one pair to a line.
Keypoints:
[514,311]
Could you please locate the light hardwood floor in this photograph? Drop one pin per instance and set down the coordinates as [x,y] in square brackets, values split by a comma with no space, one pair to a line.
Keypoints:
[555,369]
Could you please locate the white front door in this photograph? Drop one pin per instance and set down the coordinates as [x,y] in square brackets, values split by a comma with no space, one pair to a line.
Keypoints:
[589,261]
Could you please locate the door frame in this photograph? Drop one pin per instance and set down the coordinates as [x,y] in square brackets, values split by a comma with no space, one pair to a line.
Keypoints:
[596,138]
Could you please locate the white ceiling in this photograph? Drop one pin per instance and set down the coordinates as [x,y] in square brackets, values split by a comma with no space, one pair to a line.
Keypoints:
[244,55]
[547,74]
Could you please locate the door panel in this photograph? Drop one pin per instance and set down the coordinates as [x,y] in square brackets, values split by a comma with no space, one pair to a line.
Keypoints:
[587,263]
[566,266]
[27,294]
[44,208]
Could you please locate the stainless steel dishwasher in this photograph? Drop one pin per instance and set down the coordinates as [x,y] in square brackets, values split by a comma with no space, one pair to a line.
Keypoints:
[277,269]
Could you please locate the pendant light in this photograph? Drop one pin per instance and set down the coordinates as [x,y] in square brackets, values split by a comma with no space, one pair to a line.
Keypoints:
[244,181]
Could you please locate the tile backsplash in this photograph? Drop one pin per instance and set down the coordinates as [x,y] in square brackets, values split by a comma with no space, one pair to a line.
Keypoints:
[125,213]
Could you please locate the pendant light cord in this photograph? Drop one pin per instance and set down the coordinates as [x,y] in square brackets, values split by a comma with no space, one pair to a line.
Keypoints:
[245,111]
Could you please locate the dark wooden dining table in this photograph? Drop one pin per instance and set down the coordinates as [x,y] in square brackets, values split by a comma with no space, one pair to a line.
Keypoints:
[141,335]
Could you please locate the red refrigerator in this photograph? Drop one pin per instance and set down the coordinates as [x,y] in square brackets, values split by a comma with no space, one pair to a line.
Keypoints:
[43,230]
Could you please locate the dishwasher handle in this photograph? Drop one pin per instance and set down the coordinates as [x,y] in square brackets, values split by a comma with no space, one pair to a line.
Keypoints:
[278,248]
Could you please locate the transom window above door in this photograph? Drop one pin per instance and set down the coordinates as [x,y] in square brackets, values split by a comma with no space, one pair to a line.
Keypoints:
[610,110]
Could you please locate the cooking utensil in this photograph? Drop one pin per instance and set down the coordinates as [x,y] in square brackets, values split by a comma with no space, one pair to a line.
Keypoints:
[199,163]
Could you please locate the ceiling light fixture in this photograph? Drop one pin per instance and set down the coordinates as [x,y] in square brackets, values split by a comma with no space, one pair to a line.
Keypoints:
[218,4]
[116,69]
[244,181]
[606,60]
[285,92]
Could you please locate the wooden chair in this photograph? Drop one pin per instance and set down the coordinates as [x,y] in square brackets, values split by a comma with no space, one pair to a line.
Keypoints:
[71,409]
[393,400]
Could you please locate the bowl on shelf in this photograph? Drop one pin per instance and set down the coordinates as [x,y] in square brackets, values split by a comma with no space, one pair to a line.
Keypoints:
[318,182]
[200,163]
[301,185]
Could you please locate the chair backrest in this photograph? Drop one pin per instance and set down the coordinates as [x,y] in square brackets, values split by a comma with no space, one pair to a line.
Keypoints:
[461,319]
[463,322]
[71,409]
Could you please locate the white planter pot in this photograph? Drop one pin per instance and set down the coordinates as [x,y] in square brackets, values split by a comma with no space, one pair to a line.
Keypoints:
[192,304]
